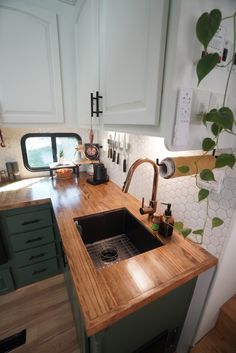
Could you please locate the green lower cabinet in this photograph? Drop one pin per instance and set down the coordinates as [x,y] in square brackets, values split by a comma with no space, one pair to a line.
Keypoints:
[31,256]
[34,238]
[154,328]
[36,272]
[6,281]
[32,243]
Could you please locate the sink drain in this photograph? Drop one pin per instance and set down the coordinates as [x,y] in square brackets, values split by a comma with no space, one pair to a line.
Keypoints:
[109,254]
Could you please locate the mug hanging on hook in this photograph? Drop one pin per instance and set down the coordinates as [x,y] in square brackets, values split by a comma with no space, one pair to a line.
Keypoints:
[2,143]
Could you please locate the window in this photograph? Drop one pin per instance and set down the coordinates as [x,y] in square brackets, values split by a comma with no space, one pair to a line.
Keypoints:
[39,150]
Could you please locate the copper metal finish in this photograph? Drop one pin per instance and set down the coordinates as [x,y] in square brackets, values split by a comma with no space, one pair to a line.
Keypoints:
[153,202]
[2,143]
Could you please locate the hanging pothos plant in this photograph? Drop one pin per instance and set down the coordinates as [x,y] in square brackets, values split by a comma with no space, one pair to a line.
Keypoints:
[219,120]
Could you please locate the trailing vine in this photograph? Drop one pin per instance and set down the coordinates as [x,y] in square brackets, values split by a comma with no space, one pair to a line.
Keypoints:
[219,120]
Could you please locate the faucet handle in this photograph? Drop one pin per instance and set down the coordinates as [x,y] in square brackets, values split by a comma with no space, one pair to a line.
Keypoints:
[142,202]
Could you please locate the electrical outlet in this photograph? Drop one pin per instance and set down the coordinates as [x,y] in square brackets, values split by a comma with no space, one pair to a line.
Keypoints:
[200,105]
[216,100]
[217,43]
[215,186]
[183,113]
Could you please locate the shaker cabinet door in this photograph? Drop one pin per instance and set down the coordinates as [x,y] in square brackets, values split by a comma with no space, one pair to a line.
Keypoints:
[30,87]
[86,51]
[132,44]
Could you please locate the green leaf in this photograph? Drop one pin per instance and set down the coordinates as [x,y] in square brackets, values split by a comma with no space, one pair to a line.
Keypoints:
[206,64]
[186,231]
[225,118]
[216,129]
[208,144]
[207,26]
[183,169]
[202,194]
[178,226]
[225,159]
[198,231]
[207,174]
[216,222]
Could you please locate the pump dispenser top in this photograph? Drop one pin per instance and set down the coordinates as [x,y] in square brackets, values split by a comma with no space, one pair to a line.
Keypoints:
[167,222]
[168,209]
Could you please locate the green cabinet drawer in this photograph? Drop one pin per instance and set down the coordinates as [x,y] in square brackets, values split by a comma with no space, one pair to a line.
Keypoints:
[31,256]
[32,239]
[36,272]
[6,282]
[28,221]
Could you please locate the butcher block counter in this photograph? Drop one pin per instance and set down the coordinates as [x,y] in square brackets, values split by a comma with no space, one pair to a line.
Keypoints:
[111,293]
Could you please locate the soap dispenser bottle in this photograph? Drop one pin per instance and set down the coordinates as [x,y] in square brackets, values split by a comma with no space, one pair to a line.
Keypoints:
[167,222]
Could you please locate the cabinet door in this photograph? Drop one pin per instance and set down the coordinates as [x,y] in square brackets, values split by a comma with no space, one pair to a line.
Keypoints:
[6,283]
[86,46]
[30,87]
[133,36]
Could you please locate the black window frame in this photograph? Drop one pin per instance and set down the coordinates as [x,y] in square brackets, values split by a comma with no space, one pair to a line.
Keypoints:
[54,147]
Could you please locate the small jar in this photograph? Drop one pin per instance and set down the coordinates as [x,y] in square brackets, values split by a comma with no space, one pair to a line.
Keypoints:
[155,221]
[3,176]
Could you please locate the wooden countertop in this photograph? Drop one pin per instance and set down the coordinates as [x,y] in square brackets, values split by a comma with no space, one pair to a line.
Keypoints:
[109,294]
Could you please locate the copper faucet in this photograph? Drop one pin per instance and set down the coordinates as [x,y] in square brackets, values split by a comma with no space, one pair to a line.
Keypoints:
[153,202]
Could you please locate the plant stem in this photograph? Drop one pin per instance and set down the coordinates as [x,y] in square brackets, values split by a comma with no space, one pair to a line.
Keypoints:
[232,64]
[226,18]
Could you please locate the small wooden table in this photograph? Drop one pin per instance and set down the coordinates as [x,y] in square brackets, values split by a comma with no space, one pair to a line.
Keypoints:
[66,165]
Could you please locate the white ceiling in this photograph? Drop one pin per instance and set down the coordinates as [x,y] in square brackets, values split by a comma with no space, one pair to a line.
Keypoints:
[70,2]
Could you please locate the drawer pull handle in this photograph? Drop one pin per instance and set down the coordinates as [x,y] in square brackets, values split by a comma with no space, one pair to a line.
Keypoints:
[39,271]
[33,240]
[30,222]
[33,257]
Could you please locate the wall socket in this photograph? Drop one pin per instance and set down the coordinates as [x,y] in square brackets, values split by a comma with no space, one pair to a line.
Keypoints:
[214,186]
[200,105]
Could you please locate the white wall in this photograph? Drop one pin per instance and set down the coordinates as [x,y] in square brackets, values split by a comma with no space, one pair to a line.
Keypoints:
[224,284]
[183,52]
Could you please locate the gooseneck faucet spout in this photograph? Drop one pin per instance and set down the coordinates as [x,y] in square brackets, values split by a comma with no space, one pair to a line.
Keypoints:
[153,202]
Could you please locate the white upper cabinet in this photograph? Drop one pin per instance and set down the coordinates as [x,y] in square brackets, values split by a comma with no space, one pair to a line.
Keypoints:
[30,84]
[87,49]
[133,37]
[120,49]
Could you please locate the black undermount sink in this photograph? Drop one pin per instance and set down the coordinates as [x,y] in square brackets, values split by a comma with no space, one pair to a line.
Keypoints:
[114,235]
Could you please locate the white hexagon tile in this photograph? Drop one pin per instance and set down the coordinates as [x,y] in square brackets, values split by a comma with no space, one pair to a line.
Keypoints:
[180,192]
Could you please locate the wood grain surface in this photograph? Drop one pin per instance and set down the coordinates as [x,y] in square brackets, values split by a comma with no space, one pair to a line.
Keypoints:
[43,309]
[110,294]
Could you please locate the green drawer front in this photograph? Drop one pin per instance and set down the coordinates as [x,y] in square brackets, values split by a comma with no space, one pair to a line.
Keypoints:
[31,256]
[6,283]
[36,272]
[32,239]
[28,221]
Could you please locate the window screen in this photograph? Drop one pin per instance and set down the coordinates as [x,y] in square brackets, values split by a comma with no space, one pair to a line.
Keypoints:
[39,150]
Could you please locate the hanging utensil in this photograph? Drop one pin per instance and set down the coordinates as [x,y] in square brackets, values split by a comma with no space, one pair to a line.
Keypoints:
[114,149]
[124,155]
[90,150]
[2,143]
[118,149]
[109,142]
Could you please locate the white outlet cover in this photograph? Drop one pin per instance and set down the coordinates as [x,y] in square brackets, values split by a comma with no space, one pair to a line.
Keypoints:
[214,186]
[200,104]
[216,100]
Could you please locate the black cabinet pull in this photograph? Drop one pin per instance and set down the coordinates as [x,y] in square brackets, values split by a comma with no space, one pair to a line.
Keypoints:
[33,240]
[30,222]
[33,257]
[97,111]
[39,271]
[64,258]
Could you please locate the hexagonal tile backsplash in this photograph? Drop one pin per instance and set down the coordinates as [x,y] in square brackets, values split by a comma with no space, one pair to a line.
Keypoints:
[180,192]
